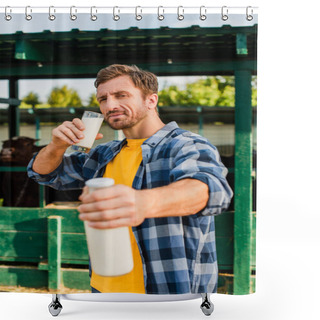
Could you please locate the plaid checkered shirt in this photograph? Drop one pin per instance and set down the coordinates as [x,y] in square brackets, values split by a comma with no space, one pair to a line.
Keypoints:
[178,253]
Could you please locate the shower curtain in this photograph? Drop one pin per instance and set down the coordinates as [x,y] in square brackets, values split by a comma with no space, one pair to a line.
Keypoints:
[205,63]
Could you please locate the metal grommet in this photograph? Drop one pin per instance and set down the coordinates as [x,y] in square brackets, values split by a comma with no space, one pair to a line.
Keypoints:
[180,13]
[52,16]
[138,16]
[28,15]
[224,13]
[7,16]
[116,17]
[93,16]
[203,13]
[73,16]
[249,17]
[160,16]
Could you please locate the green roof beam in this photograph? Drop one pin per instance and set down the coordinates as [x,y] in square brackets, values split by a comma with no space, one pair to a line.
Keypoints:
[159,68]
[31,50]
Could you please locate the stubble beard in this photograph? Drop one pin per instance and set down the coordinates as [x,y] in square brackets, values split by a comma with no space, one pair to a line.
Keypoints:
[127,122]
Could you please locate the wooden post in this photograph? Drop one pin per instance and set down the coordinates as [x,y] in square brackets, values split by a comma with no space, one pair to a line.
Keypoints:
[54,252]
[41,196]
[243,182]
[13,109]
[200,121]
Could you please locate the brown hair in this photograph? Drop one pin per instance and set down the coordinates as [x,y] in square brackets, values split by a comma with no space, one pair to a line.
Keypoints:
[146,81]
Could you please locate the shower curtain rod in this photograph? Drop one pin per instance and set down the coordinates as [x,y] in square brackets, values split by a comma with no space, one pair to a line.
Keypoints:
[139,11]
[129,9]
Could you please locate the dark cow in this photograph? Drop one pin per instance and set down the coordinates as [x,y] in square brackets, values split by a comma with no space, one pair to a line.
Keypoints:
[17,189]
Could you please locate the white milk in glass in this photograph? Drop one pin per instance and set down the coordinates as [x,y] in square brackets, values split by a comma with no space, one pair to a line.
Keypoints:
[92,122]
[109,249]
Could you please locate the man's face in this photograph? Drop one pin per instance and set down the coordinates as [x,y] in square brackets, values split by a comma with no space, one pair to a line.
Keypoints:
[121,103]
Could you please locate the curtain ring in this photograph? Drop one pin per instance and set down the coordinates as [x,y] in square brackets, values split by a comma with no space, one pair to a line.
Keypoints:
[7,16]
[73,16]
[28,16]
[224,13]
[203,13]
[160,16]
[116,17]
[93,16]
[138,16]
[249,16]
[52,16]
[180,13]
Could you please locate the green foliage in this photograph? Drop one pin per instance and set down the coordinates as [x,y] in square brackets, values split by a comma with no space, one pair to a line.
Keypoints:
[24,105]
[93,102]
[254,91]
[64,97]
[31,98]
[210,91]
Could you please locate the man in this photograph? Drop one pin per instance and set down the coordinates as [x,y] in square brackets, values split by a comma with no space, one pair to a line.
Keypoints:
[169,184]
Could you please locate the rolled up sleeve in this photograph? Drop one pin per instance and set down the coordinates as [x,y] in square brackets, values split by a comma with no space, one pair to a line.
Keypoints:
[65,177]
[198,159]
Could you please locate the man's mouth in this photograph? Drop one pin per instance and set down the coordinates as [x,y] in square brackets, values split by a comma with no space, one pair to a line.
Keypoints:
[115,115]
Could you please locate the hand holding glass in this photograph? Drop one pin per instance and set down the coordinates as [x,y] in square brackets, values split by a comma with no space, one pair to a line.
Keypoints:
[92,122]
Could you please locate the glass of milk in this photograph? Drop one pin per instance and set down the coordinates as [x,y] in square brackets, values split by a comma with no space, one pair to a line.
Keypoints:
[109,249]
[92,122]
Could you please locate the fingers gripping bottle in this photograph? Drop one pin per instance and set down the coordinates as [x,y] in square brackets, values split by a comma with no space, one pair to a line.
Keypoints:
[109,249]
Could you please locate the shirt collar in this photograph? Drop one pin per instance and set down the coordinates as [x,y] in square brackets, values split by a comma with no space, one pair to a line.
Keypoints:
[161,134]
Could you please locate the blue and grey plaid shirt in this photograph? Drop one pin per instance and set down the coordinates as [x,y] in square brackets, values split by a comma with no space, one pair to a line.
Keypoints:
[178,253]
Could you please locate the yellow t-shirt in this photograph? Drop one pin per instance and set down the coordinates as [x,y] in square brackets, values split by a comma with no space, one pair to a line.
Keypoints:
[123,169]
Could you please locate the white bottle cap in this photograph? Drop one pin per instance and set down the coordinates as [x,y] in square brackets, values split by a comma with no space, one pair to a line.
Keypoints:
[98,183]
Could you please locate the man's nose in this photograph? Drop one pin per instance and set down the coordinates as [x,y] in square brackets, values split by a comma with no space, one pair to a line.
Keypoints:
[110,105]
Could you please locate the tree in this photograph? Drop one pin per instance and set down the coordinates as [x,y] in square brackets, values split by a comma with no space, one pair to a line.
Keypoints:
[211,91]
[254,91]
[171,96]
[31,99]
[64,97]
[93,102]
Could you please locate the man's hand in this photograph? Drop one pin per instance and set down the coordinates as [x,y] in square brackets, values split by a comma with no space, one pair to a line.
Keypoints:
[120,206]
[65,135]
[69,133]
[112,207]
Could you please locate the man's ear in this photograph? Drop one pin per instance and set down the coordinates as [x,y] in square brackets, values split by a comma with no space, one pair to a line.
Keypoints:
[152,101]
